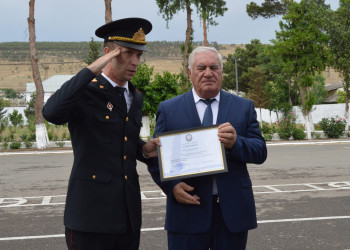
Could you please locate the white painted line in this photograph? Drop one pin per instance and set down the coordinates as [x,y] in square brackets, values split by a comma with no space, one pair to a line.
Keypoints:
[37,152]
[304,143]
[305,219]
[162,228]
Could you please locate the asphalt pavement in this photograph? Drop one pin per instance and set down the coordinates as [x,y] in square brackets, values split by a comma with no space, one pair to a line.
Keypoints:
[302,195]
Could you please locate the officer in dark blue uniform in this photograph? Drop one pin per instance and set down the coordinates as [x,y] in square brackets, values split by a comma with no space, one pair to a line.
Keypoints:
[104,112]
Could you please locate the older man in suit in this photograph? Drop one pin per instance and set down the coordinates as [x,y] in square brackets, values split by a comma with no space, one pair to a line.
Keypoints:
[213,211]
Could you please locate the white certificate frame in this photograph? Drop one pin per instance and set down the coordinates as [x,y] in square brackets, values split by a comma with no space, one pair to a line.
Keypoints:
[191,153]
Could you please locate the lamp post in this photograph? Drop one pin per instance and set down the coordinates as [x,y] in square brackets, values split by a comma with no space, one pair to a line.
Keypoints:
[236,76]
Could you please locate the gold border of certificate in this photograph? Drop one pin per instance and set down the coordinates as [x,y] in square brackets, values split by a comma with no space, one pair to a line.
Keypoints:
[191,153]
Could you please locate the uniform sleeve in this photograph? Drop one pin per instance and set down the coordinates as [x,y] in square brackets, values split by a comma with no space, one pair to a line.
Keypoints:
[60,107]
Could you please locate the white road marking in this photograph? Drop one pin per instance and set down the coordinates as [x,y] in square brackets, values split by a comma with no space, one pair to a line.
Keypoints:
[53,200]
[162,228]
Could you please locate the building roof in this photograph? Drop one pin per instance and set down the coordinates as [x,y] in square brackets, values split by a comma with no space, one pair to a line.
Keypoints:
[51,84]
[333,86]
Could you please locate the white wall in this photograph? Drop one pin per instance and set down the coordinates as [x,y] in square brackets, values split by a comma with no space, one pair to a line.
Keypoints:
[318,112]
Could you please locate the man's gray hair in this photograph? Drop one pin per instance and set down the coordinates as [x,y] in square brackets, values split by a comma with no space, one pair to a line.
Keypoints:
[202,49]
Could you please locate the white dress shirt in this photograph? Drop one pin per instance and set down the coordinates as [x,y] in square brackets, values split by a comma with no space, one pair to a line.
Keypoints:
[128,96]
[201,106]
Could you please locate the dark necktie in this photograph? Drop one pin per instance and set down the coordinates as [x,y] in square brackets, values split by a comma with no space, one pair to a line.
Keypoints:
[208,121]
[208,114]
[120,92]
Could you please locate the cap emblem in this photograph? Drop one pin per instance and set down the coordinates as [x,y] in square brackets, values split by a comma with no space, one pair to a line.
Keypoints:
[139,37]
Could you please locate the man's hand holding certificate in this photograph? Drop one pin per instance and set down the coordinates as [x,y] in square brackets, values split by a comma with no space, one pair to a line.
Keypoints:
[189,153]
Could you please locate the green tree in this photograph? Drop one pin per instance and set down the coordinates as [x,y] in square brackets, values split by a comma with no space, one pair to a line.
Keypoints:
[257,88]
[29,112]
[156,90]
[208,11]
[94,52]
[318,89]
[16,118]
[338,23]
[163,87]
[268,9]
[249,57]
[10,93]
[169,8]
[302,43]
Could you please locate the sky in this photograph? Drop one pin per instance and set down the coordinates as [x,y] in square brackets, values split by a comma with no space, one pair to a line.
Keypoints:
[77,20]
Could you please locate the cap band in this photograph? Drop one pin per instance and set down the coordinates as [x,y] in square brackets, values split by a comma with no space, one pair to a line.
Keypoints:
[139,38]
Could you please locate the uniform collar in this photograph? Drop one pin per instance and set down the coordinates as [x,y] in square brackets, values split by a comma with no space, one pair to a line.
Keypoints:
[126,86]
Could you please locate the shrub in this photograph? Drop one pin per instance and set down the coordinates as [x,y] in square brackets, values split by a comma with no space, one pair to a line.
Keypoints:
[15,145]
[333,127]
[60,144]
[298,134]
[285,126]
[28,144]
[5,145]
[267,137]
[315,135]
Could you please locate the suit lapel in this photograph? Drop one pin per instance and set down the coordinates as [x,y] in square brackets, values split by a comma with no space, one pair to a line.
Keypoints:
[191,110]
[224,106]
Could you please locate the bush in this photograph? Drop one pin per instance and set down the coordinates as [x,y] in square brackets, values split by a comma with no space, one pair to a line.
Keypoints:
[315,135]
[267,137]
[298,134]
[15,145]
[28,144]
[333,127]
[285,126]
[60,144]
[5,145]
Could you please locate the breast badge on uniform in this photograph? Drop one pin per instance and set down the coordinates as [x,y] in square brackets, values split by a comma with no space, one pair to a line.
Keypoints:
[110,106]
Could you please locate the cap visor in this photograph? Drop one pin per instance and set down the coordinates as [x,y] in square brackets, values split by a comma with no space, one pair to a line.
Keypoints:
[132,45]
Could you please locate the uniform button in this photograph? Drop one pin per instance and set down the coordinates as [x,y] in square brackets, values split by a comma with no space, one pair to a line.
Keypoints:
[125,138]
[127,119]
[124,157]
[126,177]
[107,117]
[94,177]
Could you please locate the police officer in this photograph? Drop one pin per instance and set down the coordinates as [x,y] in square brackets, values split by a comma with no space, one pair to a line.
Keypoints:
[104,112]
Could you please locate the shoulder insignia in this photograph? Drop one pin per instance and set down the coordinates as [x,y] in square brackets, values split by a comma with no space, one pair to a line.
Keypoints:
[94,80]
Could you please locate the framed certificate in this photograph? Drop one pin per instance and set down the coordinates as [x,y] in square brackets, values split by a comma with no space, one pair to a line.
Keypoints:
[190,153]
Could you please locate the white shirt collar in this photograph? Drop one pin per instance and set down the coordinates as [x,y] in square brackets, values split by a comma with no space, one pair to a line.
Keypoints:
[197,98]
[126,86]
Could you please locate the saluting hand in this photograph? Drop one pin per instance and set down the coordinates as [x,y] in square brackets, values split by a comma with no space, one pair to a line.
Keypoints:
[227,135]
[97,66]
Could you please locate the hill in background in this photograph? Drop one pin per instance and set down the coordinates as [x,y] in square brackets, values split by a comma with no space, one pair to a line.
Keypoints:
[68,58]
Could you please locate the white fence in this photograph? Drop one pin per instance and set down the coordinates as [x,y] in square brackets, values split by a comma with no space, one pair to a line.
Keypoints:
[318,112]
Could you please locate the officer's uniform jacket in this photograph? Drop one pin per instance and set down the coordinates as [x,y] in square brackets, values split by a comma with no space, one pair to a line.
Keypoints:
[103,190]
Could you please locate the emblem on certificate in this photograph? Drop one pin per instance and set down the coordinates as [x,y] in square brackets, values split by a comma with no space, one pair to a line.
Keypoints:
[110,106]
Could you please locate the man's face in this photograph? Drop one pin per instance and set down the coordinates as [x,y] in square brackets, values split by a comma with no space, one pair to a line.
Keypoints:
[206,75]
[126,63]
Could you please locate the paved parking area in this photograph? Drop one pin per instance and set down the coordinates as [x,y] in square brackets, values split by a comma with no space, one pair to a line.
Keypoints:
[302,196]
